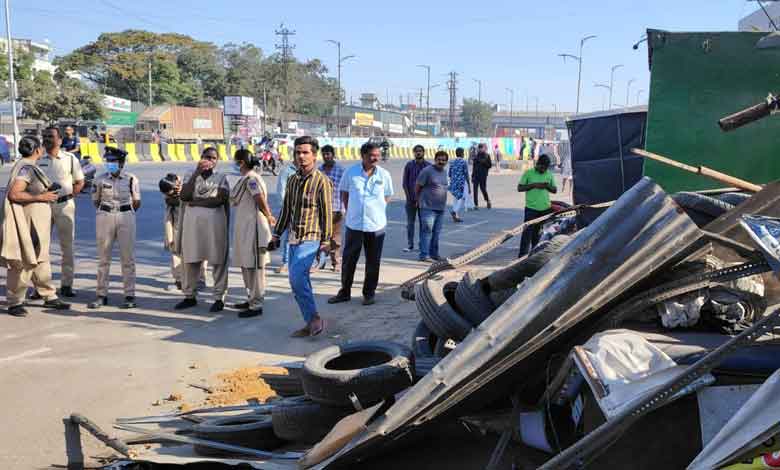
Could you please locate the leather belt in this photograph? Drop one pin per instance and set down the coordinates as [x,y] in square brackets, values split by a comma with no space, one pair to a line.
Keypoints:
[125,208]
[64,198]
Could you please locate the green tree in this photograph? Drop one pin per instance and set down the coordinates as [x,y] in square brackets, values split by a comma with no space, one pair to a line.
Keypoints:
[119,64]
[51,98]
[477,117]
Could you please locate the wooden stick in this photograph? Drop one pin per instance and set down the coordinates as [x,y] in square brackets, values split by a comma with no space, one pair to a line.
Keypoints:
[114,442]
[701,170]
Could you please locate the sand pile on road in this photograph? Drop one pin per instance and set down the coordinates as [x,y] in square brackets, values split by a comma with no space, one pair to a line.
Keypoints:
[239,386]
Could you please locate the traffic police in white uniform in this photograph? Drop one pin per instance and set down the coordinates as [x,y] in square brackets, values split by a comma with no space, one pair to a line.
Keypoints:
[64,169]
[117,196]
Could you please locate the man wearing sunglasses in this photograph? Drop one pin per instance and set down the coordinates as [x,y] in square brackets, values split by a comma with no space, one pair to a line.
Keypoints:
[203,235]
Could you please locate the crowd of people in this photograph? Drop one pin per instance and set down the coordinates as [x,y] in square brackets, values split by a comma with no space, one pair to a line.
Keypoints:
[320,205]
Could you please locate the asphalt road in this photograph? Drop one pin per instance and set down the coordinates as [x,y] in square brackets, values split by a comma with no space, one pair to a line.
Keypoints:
[112,363]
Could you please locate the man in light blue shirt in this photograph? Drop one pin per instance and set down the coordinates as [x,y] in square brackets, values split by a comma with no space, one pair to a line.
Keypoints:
[365,191]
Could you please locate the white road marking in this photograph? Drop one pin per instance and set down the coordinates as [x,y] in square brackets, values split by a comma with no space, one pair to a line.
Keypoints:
[32,352]
[63,336]
[465,227]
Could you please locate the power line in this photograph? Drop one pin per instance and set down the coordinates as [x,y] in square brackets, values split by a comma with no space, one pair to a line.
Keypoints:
[452,85]
[286,50]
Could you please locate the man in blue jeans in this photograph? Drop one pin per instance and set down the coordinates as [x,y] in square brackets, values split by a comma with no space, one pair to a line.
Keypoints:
[281,188]
[411,172]
[431,191]
[308,215]
[537,184]
[365,189]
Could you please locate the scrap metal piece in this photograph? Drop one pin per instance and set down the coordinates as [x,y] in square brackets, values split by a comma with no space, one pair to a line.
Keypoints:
[113,442]
[261,409]
[212,444]
[641,233]
[605,435]
[754,423]
[407,288]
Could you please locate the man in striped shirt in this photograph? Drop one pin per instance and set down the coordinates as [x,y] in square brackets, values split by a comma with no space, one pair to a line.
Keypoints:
[308,215]
[334,171]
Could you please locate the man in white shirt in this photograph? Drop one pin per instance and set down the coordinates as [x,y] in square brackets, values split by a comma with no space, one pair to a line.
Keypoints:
[365,190]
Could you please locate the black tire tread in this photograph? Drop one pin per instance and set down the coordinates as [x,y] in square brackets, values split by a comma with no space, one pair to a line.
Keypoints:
[305,421]
[258,434]
[474,304]
[371,385]
[437,313]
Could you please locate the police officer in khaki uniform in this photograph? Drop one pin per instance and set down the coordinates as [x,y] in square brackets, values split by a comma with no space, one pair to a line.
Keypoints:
[117,196]
[25,228]
[64,169]
[203,233]
[251,232]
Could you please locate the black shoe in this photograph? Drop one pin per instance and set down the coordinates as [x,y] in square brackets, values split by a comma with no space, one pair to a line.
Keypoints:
[56,304]
[338,298]
[489,206]
[186,303]
[17,311]
[67,291]
[217,306]
[436,258]
[35,295]
[369,300]
[99,302]
[129,302]
[178,285]
[241,306]
[250,313]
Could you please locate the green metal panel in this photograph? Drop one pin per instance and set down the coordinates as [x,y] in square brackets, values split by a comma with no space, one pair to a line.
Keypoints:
[697,78]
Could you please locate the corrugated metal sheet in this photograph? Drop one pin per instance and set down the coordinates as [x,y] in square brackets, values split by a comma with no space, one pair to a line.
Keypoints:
[640,233]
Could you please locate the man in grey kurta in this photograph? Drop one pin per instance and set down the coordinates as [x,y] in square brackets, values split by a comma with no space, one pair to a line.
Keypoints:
[204,230]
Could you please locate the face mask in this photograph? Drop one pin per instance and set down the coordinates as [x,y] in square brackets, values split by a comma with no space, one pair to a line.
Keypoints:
[112,167]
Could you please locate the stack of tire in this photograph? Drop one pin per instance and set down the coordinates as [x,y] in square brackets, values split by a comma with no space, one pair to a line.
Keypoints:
[335,381]
[451,304]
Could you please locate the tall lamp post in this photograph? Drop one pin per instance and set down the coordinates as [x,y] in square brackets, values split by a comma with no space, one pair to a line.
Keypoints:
[628,92]
[338,102]
[612,82]
[601,85]
[11,81]
[638,94]
[428,98]
[578,58]
[479,96]
[511,109]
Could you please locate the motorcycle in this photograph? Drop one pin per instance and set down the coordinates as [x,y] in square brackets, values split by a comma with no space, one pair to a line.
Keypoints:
[269,160]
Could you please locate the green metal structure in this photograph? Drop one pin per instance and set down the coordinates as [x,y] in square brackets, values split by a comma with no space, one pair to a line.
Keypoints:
[696,79]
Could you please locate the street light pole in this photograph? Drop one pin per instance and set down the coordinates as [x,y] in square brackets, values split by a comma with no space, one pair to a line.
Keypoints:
[638,94]
[341,60]
[11,81]
[479,96]
[628,91]
[601,85]
[428,98]
[579,72]
[511,109]
[612,82]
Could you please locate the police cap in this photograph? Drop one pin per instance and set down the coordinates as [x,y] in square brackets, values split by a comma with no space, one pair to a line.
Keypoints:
[113,153]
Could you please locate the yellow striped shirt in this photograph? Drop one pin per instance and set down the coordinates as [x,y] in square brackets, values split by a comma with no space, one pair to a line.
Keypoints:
[307,208]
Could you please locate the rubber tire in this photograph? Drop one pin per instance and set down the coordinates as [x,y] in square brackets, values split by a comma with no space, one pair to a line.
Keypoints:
[284,385]
[424,366]
[304,421]
[734,198]
[700,208]
[254,431]
[423,342]
[475,305]
[370,384]
[498,298]
[443,320]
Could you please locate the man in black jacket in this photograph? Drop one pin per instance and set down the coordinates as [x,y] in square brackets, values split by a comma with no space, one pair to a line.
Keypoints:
[479,175]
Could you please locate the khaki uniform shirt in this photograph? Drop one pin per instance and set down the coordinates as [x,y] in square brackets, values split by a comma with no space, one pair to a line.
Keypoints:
[63,169]
[115,192]
[251,232]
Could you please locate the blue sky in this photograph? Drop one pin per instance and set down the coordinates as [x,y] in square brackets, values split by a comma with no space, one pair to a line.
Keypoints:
[506,44]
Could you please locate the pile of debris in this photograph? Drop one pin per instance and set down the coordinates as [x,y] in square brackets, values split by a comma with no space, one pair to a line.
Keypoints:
[648,332]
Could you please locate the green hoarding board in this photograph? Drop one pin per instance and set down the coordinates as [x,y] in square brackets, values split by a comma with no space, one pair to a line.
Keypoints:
[696,79]
[121,119]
